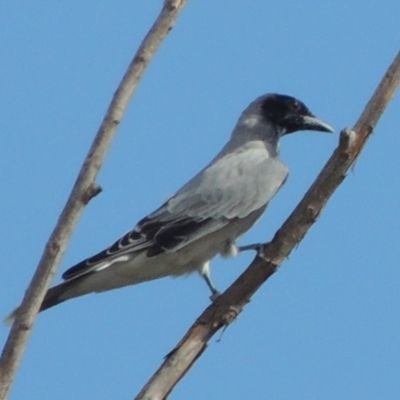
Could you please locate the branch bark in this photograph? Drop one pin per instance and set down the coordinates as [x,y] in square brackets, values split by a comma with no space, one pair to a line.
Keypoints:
[229,305]
[82,192]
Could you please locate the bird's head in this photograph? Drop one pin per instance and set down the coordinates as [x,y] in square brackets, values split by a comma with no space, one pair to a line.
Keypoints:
[289,114]
[285,113]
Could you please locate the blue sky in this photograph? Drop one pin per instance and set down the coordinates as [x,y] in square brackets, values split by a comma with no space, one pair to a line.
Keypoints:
[326,326]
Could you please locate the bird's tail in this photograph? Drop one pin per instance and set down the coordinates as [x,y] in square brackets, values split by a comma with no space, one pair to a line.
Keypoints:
[54,296]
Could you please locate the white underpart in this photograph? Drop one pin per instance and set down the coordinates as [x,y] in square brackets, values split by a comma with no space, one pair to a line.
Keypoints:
[230,250]
[205,269]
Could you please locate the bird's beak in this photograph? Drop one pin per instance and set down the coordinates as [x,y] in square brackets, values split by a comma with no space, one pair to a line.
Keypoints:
[311,123]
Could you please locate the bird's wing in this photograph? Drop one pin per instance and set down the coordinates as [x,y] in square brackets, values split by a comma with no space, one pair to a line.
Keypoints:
[230,188]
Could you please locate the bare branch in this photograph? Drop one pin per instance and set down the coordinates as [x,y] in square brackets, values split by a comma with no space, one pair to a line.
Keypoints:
[271,255]
[83,191]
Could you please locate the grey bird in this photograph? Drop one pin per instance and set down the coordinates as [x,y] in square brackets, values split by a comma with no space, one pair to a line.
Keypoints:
[207,215]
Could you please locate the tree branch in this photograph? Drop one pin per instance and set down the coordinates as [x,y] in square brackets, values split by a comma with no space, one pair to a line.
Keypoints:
[271,255]
[82,192]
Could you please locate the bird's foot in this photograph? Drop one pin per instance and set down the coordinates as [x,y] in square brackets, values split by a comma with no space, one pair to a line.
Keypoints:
[215,294]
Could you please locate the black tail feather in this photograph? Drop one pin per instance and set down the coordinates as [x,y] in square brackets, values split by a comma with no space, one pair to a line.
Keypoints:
[54,296]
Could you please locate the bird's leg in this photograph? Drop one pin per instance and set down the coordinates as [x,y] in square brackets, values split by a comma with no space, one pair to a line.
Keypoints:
[254,246]
[205,272]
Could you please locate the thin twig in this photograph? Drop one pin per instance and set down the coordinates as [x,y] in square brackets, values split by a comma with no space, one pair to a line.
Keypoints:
[83,191]
[271,256]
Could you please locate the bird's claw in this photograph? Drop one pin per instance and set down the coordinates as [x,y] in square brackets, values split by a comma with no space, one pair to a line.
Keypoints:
[214,296]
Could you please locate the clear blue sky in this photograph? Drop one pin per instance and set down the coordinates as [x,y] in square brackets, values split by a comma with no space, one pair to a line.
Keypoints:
[327,325]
